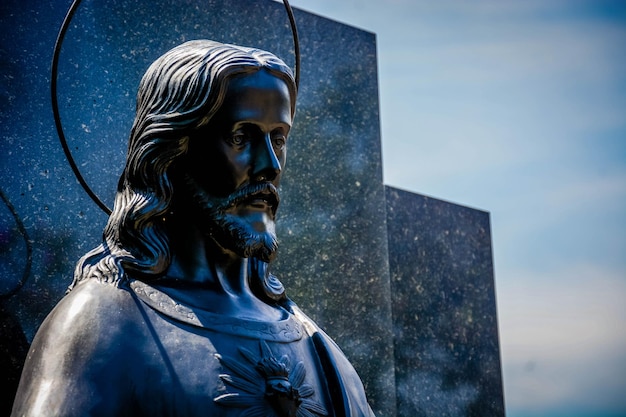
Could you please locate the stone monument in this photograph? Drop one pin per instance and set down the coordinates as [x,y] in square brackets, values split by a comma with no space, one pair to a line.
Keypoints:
[337,259]
[445,328]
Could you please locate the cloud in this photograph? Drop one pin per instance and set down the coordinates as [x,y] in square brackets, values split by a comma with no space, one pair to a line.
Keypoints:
[517,97]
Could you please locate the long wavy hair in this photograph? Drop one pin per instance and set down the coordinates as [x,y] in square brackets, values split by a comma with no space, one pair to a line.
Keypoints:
[179,93]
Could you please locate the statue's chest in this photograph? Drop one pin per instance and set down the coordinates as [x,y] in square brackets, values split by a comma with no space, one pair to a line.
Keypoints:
[191,371]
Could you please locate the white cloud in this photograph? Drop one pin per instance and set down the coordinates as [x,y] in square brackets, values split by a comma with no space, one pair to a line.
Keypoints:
[478,105]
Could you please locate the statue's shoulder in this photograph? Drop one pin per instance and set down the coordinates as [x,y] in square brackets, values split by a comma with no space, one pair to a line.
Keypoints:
[94,318]
[79,346]
[96,303]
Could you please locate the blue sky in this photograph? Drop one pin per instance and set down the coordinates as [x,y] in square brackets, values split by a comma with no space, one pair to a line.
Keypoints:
[519,108]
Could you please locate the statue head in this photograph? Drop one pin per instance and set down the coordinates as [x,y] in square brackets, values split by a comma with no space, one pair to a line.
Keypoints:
[178,100]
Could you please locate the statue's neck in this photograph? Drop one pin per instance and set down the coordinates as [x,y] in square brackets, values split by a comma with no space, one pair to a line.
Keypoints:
[204,275]
[198,259]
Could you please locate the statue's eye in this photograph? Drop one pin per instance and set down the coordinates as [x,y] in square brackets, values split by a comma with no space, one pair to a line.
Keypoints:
[237,139]
[279,141]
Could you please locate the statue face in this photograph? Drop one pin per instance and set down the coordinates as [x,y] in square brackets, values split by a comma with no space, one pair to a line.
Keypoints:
[234,163]
[245,142]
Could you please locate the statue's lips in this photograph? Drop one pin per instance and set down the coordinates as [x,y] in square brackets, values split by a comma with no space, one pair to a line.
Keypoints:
[260,196]
[259,202]
[263,198]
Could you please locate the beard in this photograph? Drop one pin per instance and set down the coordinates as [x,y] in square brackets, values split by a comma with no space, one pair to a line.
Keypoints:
[231,231]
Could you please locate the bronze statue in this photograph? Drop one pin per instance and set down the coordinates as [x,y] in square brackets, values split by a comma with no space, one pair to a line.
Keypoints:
[176,312]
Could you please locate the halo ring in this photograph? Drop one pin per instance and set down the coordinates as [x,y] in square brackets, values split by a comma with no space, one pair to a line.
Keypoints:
[55,105]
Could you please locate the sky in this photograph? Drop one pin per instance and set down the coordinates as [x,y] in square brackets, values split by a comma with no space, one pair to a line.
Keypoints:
[518,108]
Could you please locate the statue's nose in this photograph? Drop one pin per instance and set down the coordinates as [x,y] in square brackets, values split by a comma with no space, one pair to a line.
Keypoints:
[266,163]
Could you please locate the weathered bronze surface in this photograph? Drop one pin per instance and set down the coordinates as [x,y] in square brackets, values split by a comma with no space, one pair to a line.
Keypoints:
[176,312]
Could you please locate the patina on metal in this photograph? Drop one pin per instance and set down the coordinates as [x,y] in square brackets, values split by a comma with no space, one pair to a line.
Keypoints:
[176,313]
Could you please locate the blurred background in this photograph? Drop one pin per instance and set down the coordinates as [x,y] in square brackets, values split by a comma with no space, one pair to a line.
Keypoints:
[519,108]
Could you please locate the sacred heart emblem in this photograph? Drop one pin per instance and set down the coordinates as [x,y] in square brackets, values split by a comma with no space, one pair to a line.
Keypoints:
[266,386]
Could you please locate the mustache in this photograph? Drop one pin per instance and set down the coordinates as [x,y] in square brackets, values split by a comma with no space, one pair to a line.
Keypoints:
[263,190]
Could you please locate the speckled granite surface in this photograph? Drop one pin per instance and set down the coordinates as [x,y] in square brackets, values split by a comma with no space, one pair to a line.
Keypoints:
[445,328]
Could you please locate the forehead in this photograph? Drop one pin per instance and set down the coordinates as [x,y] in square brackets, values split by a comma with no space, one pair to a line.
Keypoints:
[258,91]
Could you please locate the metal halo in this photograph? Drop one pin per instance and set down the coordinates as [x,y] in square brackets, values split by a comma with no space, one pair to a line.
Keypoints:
[55,104]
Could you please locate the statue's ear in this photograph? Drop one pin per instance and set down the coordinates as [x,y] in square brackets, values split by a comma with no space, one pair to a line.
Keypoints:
[263,283]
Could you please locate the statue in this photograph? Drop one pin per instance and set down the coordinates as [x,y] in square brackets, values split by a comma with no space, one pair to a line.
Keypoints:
[176,312]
